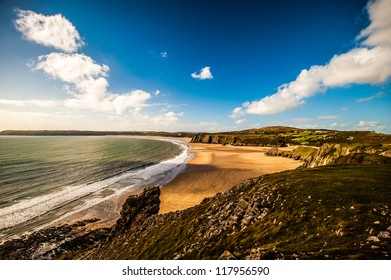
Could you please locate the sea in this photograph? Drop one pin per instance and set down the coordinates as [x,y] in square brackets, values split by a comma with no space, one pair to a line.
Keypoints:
[46,178]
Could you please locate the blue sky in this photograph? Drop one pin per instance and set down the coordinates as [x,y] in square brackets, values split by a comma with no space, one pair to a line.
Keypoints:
[195,65]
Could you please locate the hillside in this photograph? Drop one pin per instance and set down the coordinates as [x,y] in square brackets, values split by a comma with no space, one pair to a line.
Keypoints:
[283,136]
[331,212]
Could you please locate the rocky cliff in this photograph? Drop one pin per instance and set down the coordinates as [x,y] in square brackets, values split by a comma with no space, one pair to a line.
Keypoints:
[331,212]
[239,139]
[336,154]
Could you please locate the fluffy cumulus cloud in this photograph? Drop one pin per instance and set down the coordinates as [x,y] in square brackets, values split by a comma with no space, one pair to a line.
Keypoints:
[370,63]
[51,31]
[204,74]
[86,81]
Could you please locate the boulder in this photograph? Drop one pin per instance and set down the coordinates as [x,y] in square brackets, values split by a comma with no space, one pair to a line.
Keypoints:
[227,256]
[272,152]
[383,234]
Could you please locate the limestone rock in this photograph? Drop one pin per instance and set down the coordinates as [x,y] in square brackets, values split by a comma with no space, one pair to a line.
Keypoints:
[383,234]
[272,152]
[373,238]
[227,256]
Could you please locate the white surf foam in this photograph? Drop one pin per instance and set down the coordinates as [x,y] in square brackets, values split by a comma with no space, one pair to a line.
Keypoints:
[29,209]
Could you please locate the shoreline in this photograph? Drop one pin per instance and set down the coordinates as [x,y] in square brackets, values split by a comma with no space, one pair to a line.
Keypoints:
[214,168]
[108,211]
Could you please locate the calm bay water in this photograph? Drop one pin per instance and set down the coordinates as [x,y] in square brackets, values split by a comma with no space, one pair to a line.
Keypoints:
[46,177]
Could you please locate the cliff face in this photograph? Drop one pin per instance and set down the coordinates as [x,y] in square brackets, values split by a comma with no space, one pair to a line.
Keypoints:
[339,154]
[239,140]
[336,154]
[333,212]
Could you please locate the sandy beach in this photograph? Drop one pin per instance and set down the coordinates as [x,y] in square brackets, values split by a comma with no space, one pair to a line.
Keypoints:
[215,168]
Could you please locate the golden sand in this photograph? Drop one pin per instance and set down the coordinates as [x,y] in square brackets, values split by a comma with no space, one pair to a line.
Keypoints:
[217,168]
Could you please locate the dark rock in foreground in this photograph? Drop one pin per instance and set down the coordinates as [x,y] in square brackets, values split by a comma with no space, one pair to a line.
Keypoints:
[49,243]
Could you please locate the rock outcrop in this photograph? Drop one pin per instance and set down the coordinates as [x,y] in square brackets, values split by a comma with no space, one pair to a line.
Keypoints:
[55,242]
[335,154]
[50,243]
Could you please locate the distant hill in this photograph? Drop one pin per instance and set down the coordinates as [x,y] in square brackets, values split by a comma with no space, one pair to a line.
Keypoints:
[272,129]
[283,136]
[93,133]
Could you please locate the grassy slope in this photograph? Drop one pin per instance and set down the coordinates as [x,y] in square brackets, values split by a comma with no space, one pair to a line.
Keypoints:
[328,211]
[325,212]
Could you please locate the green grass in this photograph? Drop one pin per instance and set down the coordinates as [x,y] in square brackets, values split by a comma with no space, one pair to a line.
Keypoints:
[305,151]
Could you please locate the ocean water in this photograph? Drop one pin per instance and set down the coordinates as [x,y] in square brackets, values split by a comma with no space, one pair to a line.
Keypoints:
[44,178]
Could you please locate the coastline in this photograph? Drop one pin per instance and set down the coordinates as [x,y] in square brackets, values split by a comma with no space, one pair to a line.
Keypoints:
[214,168]
[108,211]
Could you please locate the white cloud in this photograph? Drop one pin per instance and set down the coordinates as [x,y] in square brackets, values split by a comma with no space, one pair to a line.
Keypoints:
[240,121]
[163,54]
[88,84]
[328,117]
[24,103]
[368,64]
[369,98]
[77,69]
[51,31]
[157,92]
[203,74]
[110,103]
[378,31]
[237,112]
[371,125]
[168,118]
[367,124]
